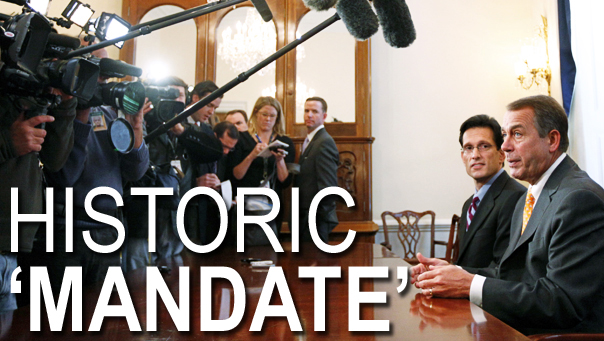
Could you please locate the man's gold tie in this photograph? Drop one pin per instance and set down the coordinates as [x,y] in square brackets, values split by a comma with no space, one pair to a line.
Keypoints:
[528,209]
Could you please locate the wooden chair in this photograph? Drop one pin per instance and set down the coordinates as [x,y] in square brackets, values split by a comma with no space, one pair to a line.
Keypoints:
[452,244]
[408,232]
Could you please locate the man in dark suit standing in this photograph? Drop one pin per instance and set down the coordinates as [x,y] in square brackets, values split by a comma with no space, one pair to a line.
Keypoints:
[318,170]
[484,227]
[550,278]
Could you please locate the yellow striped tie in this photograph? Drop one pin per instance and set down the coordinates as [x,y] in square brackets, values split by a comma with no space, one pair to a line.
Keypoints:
[528,209]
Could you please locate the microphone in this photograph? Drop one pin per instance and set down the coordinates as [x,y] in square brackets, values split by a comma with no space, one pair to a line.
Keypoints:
[320,5]
[358,17]
[263,9]
[17,2]
[117,68]
[395,19]
[63,40]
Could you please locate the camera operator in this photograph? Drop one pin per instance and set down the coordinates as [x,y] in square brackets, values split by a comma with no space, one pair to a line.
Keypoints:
[162,155]
[22,147]
[201,171]
[92,163]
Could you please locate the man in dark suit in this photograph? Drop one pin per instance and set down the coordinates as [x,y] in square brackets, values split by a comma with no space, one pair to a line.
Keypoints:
[550,278]
[484,227]
[200,170]
[318,170]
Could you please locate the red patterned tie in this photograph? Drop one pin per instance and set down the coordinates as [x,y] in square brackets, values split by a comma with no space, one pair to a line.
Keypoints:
[472,211]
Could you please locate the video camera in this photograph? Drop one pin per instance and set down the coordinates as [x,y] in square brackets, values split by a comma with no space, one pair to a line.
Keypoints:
[26,69]
[165,107]
[127,96]
[30,62]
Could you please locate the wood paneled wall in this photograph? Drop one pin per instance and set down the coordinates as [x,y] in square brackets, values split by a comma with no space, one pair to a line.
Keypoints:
[354,140]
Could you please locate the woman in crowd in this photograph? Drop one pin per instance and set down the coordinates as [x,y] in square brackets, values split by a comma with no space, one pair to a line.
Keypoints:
[266,125]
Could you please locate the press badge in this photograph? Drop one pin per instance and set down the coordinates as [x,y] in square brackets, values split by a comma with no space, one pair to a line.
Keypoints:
[98,121]
[176,164]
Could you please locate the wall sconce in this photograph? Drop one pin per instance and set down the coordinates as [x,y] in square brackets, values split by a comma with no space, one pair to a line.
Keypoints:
[534,65]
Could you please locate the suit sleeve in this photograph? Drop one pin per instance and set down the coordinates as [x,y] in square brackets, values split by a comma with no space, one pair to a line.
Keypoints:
[134,164]
[572,253]
[7,150]
[327,165]
[326,169]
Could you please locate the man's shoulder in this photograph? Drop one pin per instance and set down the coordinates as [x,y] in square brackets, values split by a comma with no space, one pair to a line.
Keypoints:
[206,128]
[569,178]
[507,186]
[580,181]
[512,185]
[324,138]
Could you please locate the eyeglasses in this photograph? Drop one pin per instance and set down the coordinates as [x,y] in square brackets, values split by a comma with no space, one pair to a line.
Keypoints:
[469,150]
[265,115]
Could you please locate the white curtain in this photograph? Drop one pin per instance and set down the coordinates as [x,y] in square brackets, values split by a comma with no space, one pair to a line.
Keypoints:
[587,112]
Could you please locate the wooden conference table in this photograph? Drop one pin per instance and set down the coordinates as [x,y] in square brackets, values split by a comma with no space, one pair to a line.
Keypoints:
[412,316]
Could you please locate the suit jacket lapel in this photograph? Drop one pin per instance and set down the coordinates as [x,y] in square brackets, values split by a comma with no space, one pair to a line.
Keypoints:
[545,198]
[536,217]
[515,228]
[311,145]
[484,209]
[463,222]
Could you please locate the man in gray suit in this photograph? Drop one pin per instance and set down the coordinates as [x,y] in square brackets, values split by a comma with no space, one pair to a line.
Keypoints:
[550,278]
[318,170]
[484,227]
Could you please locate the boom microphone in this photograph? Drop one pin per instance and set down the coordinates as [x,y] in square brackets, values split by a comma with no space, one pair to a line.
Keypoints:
[358,17]
[263,9]
[320,5]
[395,19]
[17,2]
[201,147]
[117,68]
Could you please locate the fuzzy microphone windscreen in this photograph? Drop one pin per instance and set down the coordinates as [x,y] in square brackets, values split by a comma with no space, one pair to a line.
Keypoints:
[395,19]
[358,17]
[320,5]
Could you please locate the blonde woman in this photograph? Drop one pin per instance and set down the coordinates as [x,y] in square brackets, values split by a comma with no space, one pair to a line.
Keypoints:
[266,124]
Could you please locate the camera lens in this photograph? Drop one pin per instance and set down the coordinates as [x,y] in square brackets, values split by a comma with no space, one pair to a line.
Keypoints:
[127,96]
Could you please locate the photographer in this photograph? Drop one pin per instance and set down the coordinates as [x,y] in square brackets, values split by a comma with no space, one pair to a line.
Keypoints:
[163,156]
[22,147]
[92,163]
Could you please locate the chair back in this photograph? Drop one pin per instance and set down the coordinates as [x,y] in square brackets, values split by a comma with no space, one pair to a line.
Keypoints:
[453,243]
[408,231]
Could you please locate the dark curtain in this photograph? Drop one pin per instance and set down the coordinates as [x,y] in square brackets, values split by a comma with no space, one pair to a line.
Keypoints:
[568,69]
